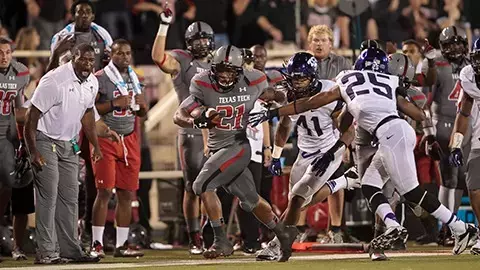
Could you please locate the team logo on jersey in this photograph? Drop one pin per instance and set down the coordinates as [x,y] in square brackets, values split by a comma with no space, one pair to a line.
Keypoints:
[11,78]
[243,89]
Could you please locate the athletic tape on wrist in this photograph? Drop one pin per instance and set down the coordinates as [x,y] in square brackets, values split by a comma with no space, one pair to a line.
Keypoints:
[277,151]
[457,140]
[162,30]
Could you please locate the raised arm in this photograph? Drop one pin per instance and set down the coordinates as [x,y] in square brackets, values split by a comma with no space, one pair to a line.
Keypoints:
[410,109]
[163,60]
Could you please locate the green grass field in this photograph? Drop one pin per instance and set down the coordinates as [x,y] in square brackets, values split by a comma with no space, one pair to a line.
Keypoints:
[413,258]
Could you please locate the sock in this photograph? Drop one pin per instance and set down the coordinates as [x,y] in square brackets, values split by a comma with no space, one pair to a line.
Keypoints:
[122,236]
[20,131]
[302,228]
[97,234]
[337,184]
[193,224]
[385,212]
[335,229]
[217,226]
[449,218]
[457,199]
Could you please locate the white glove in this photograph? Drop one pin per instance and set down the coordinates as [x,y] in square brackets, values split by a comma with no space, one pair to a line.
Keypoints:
[166,16]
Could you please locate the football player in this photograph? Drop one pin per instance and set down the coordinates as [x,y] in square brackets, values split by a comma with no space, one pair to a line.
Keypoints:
[370,94]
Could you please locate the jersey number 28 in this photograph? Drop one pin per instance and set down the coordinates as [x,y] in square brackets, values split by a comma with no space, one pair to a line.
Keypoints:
[357,86]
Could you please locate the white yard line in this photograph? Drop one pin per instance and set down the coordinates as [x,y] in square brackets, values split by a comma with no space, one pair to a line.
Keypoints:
[220,261]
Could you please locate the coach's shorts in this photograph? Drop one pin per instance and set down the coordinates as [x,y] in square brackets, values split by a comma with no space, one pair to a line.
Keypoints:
[473,170]
[23,202]
[120,165]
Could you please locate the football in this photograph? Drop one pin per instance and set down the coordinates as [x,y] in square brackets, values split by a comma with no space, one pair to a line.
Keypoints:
[197,112]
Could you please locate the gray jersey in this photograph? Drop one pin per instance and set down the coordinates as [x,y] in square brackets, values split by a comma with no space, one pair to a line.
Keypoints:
[121,121]
[273,77]
[189,67]
[12,84]
[446,89]
[330,67]
[234,106]
[97,43]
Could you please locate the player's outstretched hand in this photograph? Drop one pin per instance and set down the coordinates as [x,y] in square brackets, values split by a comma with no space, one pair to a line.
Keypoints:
[320,164]
[254,119]
[429,51]
[275,167]
[432,148]
[456,157]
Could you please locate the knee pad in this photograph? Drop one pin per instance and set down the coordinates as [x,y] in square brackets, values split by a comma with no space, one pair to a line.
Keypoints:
[421,197]
[374,197]
[302,190]
[249,202]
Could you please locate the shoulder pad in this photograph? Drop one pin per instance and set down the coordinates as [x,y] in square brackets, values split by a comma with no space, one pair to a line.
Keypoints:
[181,55]
[20,69]
[254,77]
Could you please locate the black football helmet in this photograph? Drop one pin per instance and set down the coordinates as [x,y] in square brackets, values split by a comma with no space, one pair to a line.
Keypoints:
[453,43]
[475,57]
[194,37]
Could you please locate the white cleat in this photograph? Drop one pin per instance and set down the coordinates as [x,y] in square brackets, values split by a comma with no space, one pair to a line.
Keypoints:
[462,239]
[270,253]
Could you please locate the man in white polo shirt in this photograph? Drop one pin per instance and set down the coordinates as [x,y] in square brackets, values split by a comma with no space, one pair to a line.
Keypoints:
[62,104]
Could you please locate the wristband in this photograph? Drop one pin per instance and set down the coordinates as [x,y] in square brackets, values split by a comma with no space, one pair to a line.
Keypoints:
[457,140]
[162,30]
[277,151]
[267,147]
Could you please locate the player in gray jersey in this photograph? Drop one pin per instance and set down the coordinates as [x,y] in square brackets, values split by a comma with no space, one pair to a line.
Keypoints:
[84,30]
[444,95]
[182,65]
[226,94]
[14,76]
[118,96]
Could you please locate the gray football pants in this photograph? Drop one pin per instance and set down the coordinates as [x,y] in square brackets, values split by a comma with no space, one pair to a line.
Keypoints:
[227,168]
[7,164]
[56,194]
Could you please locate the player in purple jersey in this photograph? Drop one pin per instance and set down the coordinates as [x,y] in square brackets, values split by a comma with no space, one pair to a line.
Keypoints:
[182,65]
[443,99]
[371,97]
[227,94]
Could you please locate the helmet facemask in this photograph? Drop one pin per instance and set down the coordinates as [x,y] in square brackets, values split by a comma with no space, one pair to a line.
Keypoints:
[454,49]
[225,75]
[201,45]
[475,60]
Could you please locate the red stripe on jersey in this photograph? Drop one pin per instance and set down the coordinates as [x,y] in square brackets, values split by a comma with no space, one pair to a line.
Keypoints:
[420,79]
[229,162]
[192,106]
[205,84]
[275,80]
[99,73]
[418,97]
[23,73]
[257,81]
[182,52]
[442,64]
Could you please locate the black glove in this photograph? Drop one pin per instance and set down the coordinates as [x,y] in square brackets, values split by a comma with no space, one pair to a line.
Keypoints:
[255,119]
[320,164]
[456,157]
[203,121]
[432,148]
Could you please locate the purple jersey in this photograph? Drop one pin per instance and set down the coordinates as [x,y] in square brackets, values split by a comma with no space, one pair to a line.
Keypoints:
[189,67]
[120,121]
[233,106]
[12,84]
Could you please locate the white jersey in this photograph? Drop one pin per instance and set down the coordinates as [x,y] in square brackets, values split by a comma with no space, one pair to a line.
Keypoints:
[315,127]
[255,136]
[469,85]
[370,96]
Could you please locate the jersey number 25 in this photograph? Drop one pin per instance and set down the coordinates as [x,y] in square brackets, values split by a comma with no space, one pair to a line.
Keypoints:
[357,87]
